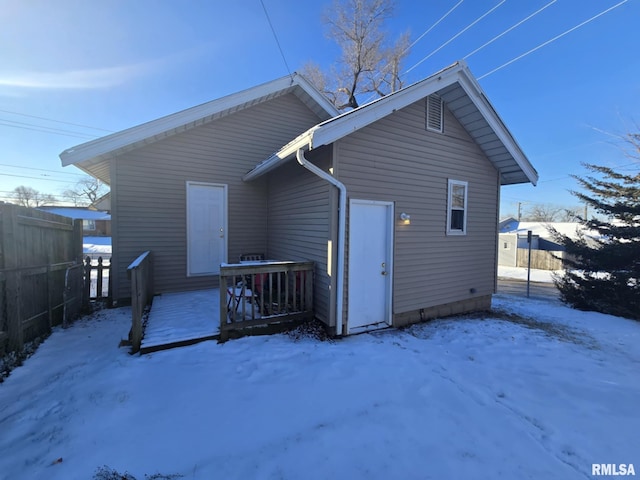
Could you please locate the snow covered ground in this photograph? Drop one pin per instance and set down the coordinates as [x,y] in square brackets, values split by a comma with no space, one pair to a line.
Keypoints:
[519,273]
[535,390]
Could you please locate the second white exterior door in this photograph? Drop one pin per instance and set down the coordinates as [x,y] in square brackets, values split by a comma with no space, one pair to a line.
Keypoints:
[370,265]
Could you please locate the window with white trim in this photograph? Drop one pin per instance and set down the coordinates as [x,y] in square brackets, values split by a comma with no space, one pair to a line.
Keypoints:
[435,113]
[88,225]
[457,207]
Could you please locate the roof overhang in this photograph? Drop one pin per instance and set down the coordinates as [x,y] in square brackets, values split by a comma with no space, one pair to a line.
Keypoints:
[94,157]
[463,97]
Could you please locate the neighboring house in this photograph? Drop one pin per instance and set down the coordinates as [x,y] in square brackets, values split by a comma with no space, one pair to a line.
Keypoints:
[396,202]
[103,203]
[94,223]
[514,235]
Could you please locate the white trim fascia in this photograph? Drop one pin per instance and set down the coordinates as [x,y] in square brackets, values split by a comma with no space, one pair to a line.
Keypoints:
[318,97]
[477,96]
[163,126]
[281,156]
[333,130]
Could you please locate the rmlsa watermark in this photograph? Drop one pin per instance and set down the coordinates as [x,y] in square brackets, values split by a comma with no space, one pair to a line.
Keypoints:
[612,469]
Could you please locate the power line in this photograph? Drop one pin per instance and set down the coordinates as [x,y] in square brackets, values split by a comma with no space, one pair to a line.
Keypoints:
[35,178]
[276,38]
[386,67]
[457,35]
[510,29]
[43,129]
[434,25]
[56,121]
[552,40]
[42,170]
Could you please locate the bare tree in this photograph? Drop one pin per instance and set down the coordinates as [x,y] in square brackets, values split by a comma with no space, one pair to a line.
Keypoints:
[369,63]
[542,213]
[85,192]
[30,197]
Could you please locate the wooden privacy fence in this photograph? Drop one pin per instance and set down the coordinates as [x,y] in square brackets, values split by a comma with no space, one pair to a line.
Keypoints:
[263,293]
[141,274]
[541,259]
[39,288]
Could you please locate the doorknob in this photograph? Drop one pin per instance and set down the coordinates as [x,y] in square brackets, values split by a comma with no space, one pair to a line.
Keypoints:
[383,273]
[221,233]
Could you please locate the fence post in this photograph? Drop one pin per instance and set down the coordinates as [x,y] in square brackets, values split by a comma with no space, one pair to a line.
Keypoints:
[99,279]
[110,285]
[49,297]
[86,285]
[14,311]
[77,240]
[13,278]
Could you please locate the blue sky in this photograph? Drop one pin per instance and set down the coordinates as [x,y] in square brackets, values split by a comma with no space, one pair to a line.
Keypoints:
[114,64]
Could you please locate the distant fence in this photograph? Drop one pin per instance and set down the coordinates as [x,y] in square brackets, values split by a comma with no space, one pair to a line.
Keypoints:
[97,279]
[39,257]
[141,273]
[541,259]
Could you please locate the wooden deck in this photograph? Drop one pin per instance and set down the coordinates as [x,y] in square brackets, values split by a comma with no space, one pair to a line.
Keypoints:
[180,319]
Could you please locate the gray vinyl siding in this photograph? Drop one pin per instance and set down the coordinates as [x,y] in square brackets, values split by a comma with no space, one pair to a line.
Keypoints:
[149,194]
[397,159]
[299,216]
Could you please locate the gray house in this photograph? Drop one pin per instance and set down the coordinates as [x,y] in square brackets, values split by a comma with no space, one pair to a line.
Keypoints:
[396,202]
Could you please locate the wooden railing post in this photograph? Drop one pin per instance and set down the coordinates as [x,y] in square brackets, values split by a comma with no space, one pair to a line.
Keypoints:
[141,274]
[224,334]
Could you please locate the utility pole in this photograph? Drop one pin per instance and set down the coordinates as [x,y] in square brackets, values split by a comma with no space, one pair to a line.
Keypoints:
[519,211]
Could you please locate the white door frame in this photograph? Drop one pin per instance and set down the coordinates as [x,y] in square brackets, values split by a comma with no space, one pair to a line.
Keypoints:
[389,230]
[224,233]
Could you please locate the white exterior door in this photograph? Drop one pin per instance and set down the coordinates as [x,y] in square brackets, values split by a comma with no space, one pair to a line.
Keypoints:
[370,265]
[206,228]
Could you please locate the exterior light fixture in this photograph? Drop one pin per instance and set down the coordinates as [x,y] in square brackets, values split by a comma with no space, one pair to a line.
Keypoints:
[406,219]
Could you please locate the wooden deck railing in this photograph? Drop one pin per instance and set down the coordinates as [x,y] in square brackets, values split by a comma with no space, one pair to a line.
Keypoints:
[264,293]
[141,273]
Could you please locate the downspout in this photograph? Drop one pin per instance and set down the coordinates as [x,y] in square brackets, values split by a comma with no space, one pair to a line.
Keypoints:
[342,220]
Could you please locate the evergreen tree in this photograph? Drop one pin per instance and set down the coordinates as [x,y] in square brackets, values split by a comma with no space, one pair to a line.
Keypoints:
[603,271]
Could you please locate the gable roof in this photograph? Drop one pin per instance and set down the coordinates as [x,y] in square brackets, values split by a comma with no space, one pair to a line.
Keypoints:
[92,157]
[462,96]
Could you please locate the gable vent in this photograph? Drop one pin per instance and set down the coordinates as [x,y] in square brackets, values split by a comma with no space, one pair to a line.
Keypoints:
[435,120]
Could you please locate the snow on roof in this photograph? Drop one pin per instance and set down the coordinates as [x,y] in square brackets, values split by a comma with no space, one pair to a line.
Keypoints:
[541,229]
[77,213]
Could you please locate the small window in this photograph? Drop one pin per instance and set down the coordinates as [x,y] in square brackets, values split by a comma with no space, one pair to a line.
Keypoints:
[88,224]
[435,121]
[457,208]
